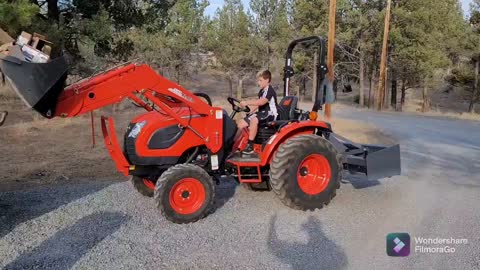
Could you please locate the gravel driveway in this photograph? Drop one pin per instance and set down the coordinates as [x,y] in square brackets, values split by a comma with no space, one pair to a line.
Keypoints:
[109,226]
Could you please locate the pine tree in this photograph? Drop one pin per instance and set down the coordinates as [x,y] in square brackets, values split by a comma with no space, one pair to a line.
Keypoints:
[425,42]
[270,18]
[474,50]
[232,41]
[15,15]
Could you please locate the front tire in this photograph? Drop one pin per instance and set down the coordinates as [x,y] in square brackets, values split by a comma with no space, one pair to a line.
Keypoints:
[305,172]
[185,193]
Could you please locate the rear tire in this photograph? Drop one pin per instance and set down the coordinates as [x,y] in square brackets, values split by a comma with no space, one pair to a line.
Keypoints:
[305,172]
[185,193]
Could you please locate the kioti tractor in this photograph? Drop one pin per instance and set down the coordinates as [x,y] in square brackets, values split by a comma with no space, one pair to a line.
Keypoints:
[183,146]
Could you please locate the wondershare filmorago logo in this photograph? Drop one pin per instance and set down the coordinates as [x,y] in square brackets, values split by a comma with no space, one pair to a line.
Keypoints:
[398,244]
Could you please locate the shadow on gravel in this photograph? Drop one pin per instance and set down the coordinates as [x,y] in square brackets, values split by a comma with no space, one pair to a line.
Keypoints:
[359,181]
[224,192]
[318,253]
[20,206]
[66,247]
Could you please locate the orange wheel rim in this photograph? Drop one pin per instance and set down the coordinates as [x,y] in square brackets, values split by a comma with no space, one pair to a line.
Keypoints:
[314,174]
[187,196]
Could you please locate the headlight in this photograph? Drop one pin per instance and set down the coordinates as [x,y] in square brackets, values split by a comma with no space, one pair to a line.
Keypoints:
[136,129]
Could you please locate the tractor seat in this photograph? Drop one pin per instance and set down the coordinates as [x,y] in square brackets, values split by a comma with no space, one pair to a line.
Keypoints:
[286,108]
[266,130]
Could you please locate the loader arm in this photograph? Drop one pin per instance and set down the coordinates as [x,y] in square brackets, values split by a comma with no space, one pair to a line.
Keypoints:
[128,81]
[131,81]
[43,90]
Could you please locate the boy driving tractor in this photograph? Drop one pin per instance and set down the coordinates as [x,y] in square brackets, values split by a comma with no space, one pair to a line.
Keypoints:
[266,109]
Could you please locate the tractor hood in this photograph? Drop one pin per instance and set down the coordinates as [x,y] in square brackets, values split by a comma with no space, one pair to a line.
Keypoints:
[38,84]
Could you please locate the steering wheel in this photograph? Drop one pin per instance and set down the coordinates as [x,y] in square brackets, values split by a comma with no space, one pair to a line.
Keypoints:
[236,105]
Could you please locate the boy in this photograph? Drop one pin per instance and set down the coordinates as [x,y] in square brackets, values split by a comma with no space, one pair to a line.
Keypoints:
[266,109]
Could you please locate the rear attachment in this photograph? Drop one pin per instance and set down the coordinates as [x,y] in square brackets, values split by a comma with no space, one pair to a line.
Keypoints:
[38,84]
[375,161]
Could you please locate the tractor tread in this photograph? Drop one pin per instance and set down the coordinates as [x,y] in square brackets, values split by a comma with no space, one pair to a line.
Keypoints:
[281,171]
[184,171]
[139,186]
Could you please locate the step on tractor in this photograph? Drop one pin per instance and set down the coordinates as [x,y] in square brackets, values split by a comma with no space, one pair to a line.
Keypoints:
[182,146]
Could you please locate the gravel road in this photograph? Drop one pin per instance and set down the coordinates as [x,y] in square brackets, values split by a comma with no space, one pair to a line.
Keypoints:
[109,226]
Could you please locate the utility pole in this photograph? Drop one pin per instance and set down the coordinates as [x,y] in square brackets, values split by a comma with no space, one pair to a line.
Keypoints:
[331,49]
[383,62]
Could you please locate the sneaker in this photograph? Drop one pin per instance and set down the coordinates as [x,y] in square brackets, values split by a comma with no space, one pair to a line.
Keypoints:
[248,150]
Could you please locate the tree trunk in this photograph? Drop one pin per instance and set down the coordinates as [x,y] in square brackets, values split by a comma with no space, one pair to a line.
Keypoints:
[471,108]
[268,50]
[177,74]
[426,99]
[304,85]
[230,84]
[393,100]
[240,89]
[314,82]
[297,91]
[371,94]
[386,91]
[370,86]
[402,99]
[362,78]
[53,11]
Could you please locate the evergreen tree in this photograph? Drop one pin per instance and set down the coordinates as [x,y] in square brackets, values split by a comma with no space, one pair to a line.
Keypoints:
[232,41]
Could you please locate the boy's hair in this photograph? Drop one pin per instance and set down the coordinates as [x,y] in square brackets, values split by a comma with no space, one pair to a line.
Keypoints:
[265,74]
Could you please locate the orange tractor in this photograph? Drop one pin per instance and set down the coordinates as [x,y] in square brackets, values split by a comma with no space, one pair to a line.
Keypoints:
[182,146]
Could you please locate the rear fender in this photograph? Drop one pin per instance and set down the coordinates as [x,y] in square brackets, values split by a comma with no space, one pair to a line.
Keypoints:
[287,132]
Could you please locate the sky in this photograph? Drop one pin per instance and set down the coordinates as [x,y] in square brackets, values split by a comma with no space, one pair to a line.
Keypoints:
[214,4]
[466,6]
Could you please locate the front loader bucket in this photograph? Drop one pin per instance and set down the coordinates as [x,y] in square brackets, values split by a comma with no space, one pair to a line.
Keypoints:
[37,84]
[375,161]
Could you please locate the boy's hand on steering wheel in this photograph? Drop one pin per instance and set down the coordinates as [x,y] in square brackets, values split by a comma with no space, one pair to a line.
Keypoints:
[243,104]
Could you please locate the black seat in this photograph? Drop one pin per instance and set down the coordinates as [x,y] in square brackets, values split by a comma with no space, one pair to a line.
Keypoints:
[286,108]
[286,112]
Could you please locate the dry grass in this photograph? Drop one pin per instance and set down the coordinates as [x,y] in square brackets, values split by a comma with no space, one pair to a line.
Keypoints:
[59,150]
[414,108]
[453,115]
[6,93]
[360,132]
